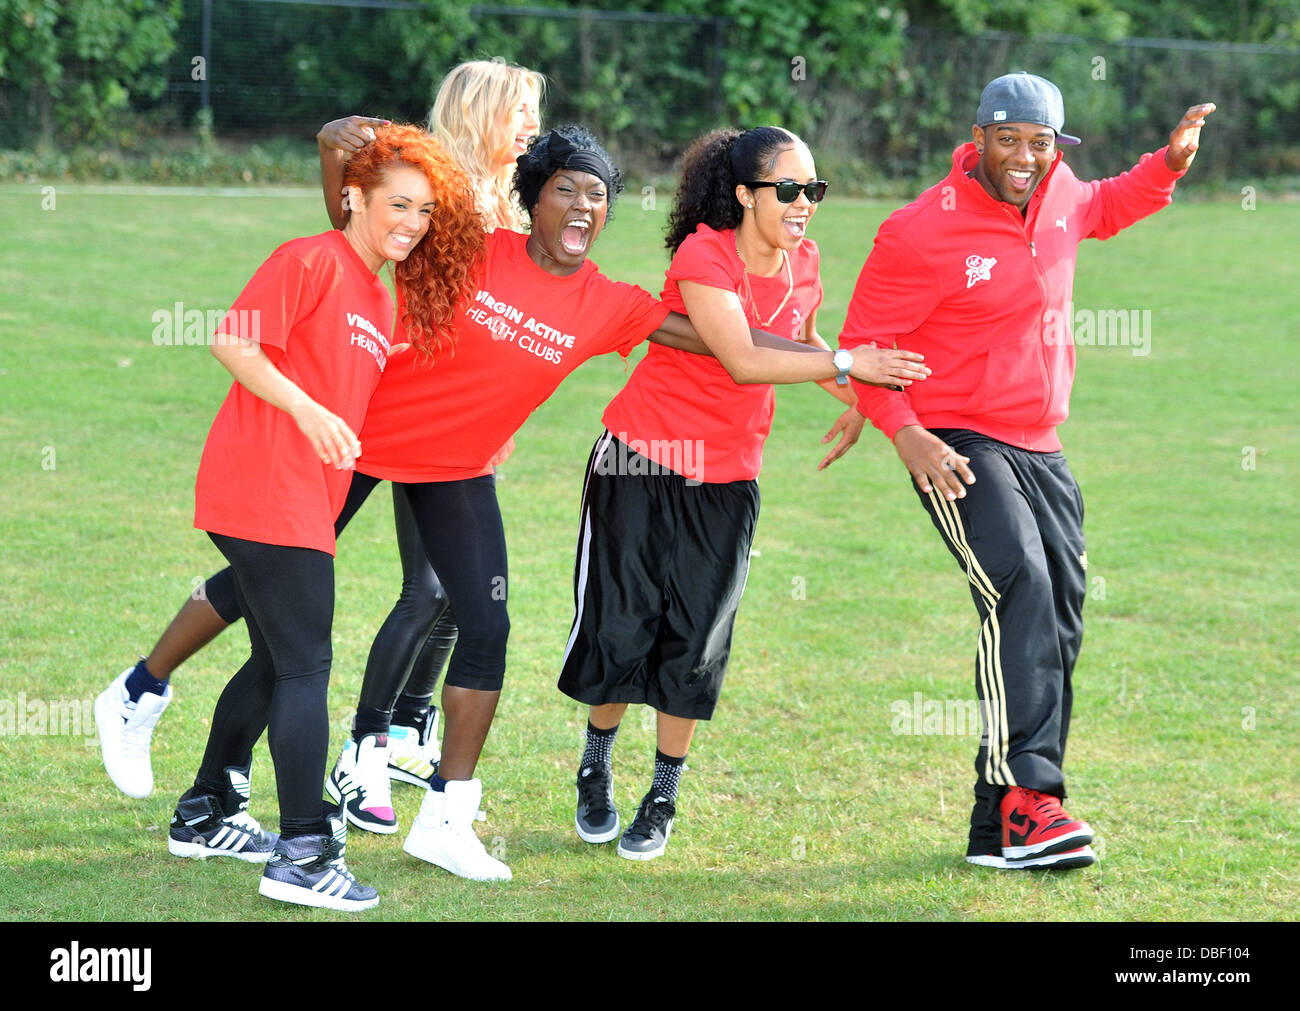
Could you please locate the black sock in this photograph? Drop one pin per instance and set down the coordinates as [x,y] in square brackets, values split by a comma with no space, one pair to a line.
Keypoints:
[409,712]
[370,721]
[140,681]
[600,746]
[668,771]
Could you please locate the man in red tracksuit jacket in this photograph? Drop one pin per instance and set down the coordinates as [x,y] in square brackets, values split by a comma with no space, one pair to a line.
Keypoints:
[977,274]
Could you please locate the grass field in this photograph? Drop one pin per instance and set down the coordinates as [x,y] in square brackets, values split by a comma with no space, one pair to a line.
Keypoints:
[801,802]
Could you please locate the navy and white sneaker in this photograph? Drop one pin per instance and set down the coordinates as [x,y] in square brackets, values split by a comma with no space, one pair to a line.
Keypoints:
[596,818]
[211,826]
[647,836]
[309,870]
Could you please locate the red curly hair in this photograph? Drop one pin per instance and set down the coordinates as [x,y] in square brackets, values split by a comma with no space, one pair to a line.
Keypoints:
[442,268]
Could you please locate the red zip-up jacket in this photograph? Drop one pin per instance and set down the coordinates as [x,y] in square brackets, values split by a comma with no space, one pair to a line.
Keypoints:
[985,295]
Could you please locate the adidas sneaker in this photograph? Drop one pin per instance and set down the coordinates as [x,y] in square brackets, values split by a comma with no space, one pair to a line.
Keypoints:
[360,782]
[310,871]
[211,826]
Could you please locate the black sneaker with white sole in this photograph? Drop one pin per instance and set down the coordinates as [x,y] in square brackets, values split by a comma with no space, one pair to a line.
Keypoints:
[309,870]
[647,836]
[201,828]
[597,818]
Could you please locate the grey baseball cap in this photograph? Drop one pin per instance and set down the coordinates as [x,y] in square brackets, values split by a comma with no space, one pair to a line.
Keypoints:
[1023,98]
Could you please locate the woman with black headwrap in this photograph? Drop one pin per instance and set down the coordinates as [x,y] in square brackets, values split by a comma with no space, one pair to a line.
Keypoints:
[541,309]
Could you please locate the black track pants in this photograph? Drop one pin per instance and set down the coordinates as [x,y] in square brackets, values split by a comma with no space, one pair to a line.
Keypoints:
[1018,536]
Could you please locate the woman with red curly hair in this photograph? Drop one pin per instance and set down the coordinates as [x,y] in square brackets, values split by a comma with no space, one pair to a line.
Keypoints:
[306,342]
[483,115]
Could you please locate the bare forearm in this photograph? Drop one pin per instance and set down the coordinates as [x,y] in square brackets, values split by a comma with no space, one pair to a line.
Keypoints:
[763,339]
[752,365]
[331,438]
[678,332]
[253,370]
[331,181]
[842,392]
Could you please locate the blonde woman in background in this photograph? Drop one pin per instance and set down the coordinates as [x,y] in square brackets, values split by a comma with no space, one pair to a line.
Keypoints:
[484,114]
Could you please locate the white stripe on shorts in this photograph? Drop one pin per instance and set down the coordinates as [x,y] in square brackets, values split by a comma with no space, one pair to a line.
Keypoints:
[584,545]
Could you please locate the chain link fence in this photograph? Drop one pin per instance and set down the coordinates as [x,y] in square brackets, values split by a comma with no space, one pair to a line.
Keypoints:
[648,83]
[1122,98]
[270,66]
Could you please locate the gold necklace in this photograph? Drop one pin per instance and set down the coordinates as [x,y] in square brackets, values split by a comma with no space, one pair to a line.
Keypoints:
[763,324]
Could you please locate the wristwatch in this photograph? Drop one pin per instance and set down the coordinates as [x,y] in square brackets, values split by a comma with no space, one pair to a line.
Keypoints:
[843,362]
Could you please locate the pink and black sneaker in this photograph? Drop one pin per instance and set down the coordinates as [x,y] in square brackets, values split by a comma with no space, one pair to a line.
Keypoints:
[360,783]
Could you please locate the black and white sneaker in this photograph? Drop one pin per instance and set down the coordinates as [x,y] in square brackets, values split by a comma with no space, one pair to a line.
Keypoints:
[597,818]
[309,870]
[647,836]
[360,783]
[211,826]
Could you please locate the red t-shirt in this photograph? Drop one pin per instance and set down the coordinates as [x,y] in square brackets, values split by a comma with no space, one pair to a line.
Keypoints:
[321,317]
[521,334]
[684,411]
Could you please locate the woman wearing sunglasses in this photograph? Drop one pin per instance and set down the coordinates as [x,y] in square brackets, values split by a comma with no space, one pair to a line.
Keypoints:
[671,497]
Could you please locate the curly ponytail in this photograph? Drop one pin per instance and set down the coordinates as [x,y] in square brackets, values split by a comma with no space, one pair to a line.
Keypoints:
[713,166]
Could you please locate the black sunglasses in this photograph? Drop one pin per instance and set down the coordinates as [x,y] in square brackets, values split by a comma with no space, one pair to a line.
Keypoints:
[787,191]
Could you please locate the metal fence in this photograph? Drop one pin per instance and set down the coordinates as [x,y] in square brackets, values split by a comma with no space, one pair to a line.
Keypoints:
[1121,98]
[648,83]
[277,66]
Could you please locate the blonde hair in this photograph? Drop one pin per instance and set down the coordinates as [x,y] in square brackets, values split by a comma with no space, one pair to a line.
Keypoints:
[472,101]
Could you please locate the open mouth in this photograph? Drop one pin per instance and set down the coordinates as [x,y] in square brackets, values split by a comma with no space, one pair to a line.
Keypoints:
[401,245]
[1020,180]
[796,224]
[574,236]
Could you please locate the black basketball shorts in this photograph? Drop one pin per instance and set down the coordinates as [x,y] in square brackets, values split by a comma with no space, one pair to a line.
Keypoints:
[660,570]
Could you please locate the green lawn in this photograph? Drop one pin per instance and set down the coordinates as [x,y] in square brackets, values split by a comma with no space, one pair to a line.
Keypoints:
[801,803]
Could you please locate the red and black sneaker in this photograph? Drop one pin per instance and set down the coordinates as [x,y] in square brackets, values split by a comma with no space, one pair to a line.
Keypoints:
[1034,825]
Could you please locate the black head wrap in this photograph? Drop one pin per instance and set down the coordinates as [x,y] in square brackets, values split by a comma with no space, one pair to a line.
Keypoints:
[555,151]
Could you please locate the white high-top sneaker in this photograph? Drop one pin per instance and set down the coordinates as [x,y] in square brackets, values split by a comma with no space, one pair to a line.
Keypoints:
[125,731]
[443,833]
[359,781]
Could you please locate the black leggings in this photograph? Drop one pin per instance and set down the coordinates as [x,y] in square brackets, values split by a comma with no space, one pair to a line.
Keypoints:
[459,525]
[464,539]
[412,647]
[286,595]
[415,640]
